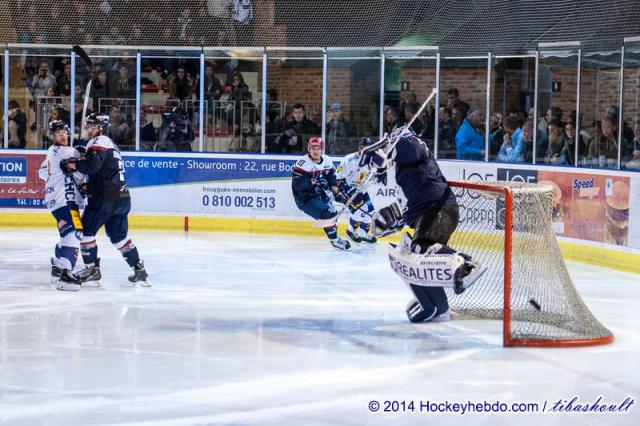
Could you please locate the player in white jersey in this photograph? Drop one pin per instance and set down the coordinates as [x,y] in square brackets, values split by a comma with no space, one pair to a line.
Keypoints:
[63,198]
[350,176]
[313,183]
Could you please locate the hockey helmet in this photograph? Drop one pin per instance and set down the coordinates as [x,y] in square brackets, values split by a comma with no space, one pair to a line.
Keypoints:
[56,125]
[364,142]
[316,142]
[101,120]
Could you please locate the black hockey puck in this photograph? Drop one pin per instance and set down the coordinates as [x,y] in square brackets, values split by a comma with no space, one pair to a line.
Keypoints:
[535,304]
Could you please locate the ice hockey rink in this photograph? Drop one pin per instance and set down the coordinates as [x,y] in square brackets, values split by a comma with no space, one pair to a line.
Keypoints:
[271,330]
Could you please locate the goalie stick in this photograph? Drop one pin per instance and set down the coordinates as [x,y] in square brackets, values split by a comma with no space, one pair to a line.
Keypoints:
[324,223]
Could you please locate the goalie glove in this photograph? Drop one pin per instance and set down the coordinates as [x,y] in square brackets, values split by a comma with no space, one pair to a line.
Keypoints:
[401,133]
[374,154]
[387,220]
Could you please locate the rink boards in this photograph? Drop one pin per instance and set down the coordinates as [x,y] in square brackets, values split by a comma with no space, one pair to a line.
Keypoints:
[252,194]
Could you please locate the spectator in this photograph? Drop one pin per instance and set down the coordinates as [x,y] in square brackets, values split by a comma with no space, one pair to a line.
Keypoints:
[553,113]
[78,116]
[603,151]
[42,80]
[147,133]
[453,98]
[100,88]
[273,129]
[64,83]
[410,109]
[634,148]
[527,136]
[627,132]
[514,144]
[180,86]
[556,144]
[446,134]
[410,98]
[123,86]
[568,154]
[302,128]
[50,92]
[212,88]
[17,126]
[242,15]
[177,134]
[458,114]
[184,24]
[392,120]
[118,129]
[239,89]
[469,139]
[496,134]
[272,101]
[339,132]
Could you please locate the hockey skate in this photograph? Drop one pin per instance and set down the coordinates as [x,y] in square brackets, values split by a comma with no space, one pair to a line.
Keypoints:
[90,275]
[56,271]
[353,236]
[68,281]
[140,276]
[416,314]
[366,238]
[340,244]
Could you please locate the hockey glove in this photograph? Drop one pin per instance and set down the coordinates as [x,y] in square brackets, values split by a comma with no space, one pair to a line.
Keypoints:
[381,177]
[387,220]
[348,190]
[69,165]
[80,146]
[322,183]
[340,198]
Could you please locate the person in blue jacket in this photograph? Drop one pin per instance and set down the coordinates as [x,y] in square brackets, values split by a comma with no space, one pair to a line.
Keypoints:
[469,138]
[514,144]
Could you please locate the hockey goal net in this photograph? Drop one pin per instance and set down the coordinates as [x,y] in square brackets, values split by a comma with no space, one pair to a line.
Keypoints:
[507,226]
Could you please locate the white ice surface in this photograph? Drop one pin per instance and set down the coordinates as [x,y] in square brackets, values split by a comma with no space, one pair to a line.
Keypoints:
[262,330]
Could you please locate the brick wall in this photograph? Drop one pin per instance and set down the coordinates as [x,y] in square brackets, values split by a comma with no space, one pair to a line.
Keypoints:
[356,93]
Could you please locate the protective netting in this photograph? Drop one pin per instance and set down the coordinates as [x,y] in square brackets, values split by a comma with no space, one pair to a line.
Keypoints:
[545,305]
[509,26]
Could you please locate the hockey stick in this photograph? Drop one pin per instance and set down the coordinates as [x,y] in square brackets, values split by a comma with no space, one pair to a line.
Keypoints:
[325,223]
[89,64]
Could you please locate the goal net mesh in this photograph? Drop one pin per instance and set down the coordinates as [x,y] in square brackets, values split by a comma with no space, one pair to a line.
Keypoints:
[544,304]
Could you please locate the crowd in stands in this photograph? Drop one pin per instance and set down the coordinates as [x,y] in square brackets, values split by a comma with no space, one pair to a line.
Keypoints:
[461,135]
[135,22]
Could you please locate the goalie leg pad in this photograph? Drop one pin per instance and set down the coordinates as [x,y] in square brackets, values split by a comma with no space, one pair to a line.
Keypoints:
[438,266]
[430,302]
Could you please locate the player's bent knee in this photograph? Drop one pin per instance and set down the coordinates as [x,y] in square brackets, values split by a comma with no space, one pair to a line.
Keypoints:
[71,239]
[328,214]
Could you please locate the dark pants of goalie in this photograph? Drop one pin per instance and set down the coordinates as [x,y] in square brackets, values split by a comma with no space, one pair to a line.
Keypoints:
[434,226]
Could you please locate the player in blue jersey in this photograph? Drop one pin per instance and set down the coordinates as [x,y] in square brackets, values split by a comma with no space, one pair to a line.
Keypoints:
[109,203]
[314,185]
